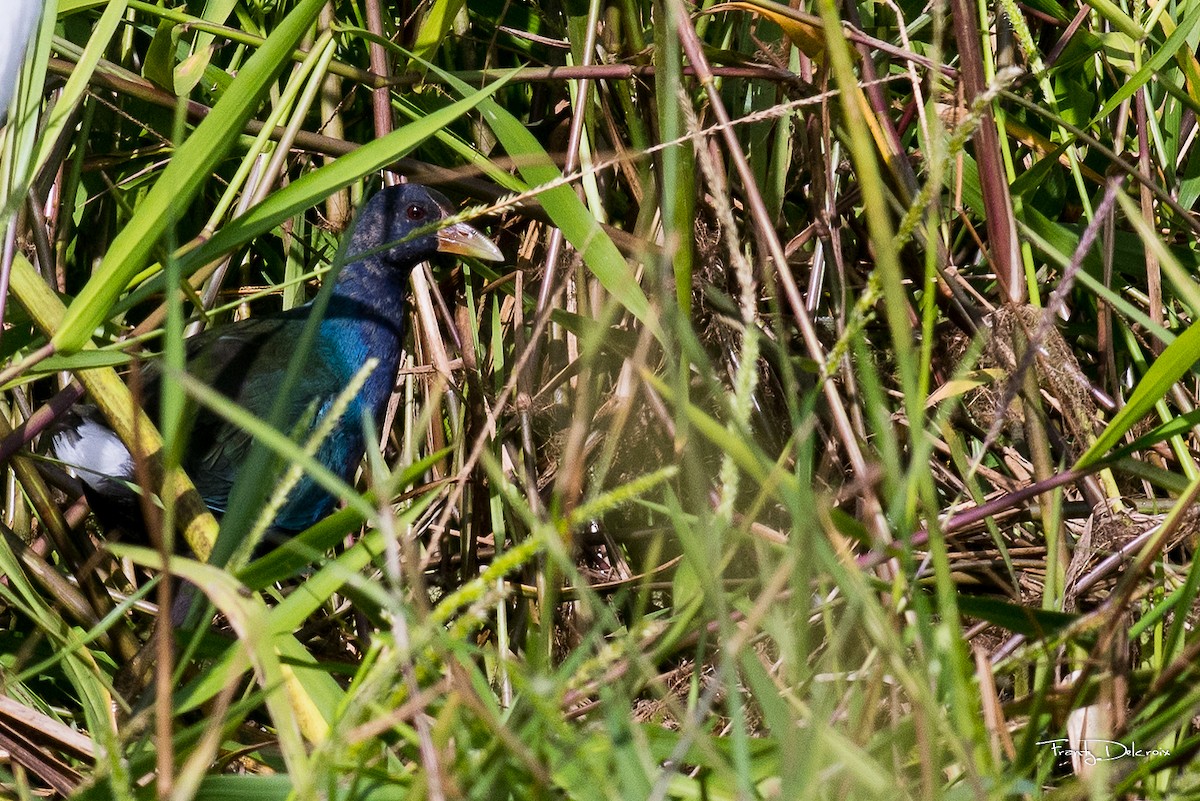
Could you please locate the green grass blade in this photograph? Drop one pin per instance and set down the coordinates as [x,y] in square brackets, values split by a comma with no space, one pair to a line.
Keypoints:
[183,177]
[280,443]
[248,616]
[565,208]
[1177,359]
[76,88]
[319,184]
[1178,39]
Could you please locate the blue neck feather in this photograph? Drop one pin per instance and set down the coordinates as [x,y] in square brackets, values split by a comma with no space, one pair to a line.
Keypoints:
[365,319]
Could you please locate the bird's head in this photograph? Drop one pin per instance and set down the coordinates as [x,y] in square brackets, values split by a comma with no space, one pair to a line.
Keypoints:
[399,226]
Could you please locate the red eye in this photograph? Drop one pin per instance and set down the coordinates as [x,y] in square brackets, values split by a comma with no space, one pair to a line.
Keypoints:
[415,213]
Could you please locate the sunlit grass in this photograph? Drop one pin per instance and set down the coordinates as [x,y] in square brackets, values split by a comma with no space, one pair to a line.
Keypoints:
[829,432]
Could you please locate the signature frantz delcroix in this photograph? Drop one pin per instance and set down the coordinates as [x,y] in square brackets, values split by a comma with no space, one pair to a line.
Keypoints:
[1093,751]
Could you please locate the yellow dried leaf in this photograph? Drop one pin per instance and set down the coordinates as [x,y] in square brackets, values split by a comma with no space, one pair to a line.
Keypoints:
[960,386]
[804,30]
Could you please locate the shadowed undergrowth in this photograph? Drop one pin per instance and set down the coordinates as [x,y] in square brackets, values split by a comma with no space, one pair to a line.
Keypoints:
[827,433]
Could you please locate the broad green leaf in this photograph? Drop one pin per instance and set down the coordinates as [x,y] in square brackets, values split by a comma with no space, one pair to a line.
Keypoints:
[77,84]
[182,179]
[124,416]
[434,27]
[159,64]
[286,617]
[1017,618]
[1178,39]
[190,70]
[1168,368]
[216,12]
[315,186]
[290,707]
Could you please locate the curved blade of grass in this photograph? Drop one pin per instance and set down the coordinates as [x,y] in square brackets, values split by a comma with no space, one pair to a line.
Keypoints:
[321,694]
[216,12]
[1178,39]
[1030,621]
[434,27]
[1177,359]
[311,545]
[1120,20]
[565,208]
[277,441]
[1175,427]
[248,617]
[191,166]
[291,612]
[347,568]
[77,84]
[126,418]
[317,185]
[83,360]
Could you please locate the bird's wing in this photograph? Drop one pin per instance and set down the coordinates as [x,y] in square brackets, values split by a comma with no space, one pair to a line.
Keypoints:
[247,363]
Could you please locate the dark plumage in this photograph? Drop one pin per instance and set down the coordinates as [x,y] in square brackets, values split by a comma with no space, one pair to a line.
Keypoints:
[247,361]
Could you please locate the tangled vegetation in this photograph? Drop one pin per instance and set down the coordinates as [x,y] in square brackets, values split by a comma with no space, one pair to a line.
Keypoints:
[830,431]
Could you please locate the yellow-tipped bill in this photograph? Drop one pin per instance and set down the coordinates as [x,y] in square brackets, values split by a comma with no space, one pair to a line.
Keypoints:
[463,240]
